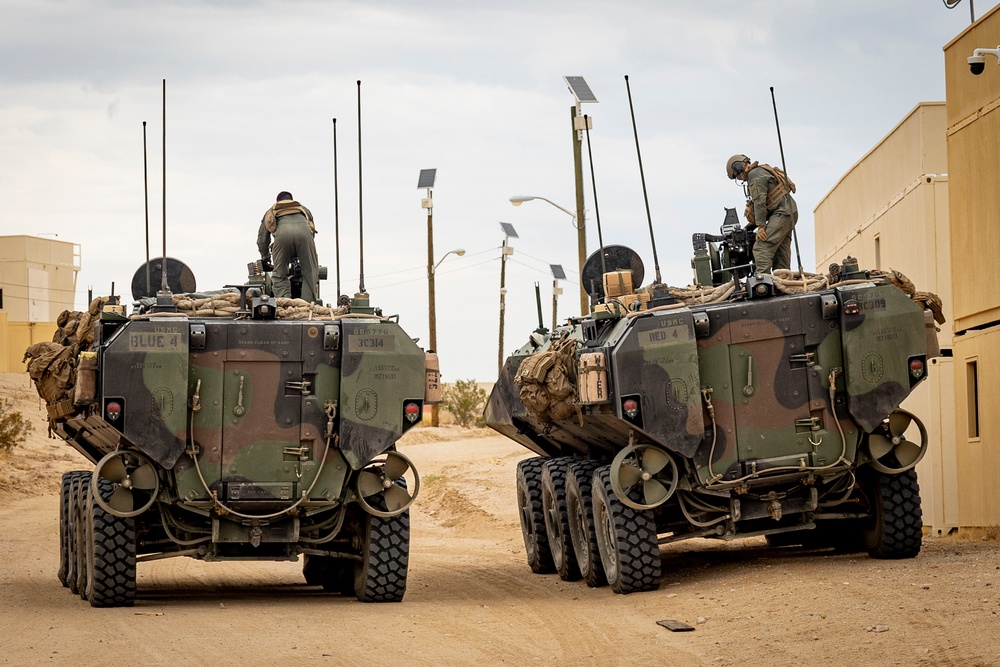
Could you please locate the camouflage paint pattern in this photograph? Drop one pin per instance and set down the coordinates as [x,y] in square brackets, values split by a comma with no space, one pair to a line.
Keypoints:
[766,366]
[267,392]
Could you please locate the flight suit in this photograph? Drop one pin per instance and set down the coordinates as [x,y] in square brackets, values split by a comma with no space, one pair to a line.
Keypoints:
[290,224]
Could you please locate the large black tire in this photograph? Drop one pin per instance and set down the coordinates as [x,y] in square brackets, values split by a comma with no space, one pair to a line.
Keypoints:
[626,539]
[110,555]
[580,515]
[380,575]
[895,529]
[72,539]
[81,538]
[556,519]
[64,528]
[529,507]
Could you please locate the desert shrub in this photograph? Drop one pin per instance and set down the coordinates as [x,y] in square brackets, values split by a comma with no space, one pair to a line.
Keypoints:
[14,428]
[465,400]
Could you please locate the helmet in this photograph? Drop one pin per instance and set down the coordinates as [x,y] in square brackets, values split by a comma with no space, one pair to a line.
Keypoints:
[731,169]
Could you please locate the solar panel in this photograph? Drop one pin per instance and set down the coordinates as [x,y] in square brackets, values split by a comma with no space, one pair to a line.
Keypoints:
[426,178]
[508,230]
[557,271]
[581,91]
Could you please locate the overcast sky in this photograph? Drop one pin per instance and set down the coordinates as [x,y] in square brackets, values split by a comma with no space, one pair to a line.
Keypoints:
[472,89]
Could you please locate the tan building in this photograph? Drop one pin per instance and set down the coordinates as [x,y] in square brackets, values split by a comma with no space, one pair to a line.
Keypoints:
[37,282]
[890,210]
[926,201]
[973,131]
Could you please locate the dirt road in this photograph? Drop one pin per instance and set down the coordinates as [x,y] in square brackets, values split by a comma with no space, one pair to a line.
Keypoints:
[471,598]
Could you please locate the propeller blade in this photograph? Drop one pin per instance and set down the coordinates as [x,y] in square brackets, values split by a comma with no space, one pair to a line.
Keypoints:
[113,470]
[396,498]
[121,500]
[144,477]
[654,492]
[369,483]
[907,452]
[899,422]
[879,445]
[628,475]
[654,460]
[395,467]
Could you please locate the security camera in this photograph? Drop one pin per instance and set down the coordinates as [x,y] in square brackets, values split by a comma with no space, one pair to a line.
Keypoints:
[977,61]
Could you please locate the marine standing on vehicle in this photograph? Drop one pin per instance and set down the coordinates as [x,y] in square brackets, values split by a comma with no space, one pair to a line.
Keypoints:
[291,225]
[770,209]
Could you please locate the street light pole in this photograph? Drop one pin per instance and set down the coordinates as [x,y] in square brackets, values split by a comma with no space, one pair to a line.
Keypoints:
[432,306]
[505,250]
[426,180]
[581,230]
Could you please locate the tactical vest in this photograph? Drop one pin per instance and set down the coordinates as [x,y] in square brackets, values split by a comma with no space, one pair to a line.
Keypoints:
[283,208]
[774,195]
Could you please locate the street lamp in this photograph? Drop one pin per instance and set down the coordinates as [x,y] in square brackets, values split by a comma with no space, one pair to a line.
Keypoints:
[578,224]
[457,251]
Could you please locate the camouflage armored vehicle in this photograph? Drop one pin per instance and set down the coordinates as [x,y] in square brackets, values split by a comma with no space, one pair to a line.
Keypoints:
[746,405]
[234,426]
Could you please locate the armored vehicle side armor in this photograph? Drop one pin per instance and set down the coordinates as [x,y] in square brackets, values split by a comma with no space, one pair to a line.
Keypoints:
[763,413]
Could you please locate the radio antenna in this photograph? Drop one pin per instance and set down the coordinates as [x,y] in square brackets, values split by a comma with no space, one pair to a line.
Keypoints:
[361,217]
[163,272]
[145,192]
[784,169]
[642,177]
[593,182]
[336,205]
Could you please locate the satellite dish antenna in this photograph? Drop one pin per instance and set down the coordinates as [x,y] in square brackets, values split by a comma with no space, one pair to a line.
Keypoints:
[616,258]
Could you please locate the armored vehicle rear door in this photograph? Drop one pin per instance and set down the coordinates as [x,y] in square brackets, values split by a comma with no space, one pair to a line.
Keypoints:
[775,399]
[260,427]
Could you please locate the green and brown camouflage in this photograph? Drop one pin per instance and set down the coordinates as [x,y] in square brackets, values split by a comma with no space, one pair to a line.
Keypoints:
[753,415]
[248,437]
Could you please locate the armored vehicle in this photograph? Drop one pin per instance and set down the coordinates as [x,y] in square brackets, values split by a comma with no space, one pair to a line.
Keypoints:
[746,405]
[234,426]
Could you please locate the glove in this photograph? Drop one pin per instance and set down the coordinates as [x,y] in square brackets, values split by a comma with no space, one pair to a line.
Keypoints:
[761,233]
[265,263]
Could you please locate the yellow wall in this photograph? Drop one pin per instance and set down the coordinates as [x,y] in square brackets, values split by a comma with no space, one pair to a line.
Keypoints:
[38,277]
[890,210]
[978,456]
[973,153]
[16,337]
[973,150]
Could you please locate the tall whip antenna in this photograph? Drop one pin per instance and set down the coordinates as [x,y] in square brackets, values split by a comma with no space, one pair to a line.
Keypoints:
[336,205]
[163,272]
[361,217]
[597,210]
[784,169]
[145,192]
[642,177]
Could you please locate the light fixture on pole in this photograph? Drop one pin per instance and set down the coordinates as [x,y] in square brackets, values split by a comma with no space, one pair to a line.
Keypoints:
[582,94]
[517,200]
[557,275]
[505,250]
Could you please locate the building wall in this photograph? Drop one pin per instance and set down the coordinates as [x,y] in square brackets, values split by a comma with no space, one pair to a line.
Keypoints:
[973,150]
[16,337]
[38,277]
[890,210]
